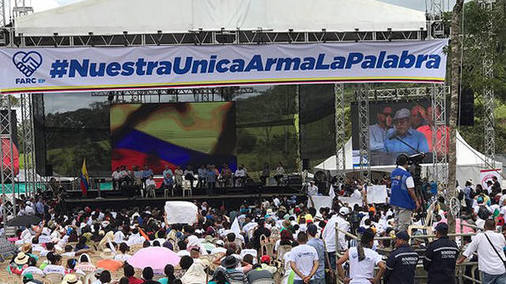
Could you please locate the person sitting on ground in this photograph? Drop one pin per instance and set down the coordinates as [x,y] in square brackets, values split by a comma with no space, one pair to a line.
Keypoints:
[85,264]
[129,273]
[169,275]
[258,273]
[147,275]
[54,265]
[229,266]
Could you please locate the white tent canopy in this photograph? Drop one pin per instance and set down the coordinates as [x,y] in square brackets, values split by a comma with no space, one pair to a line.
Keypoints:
[180,16]
[469,162]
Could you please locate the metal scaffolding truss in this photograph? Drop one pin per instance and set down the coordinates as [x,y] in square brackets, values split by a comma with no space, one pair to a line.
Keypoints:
[199,94]
[439,141]
[206,37]
[7,173]
[398,94]
[362,97]
[340,134]
[28,139]
[488,94]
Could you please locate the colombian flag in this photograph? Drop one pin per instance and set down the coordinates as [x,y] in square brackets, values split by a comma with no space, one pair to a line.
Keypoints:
[84,179]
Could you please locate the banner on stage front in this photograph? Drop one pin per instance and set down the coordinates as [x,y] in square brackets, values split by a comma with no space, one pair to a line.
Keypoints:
[100,68]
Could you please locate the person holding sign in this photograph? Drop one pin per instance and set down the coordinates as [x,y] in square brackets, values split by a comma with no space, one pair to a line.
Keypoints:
[403,198]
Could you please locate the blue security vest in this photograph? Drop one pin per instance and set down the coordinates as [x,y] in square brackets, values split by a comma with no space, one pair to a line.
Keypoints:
[400,196]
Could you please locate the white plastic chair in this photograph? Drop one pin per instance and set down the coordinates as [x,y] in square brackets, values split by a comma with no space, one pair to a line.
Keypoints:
[187,187]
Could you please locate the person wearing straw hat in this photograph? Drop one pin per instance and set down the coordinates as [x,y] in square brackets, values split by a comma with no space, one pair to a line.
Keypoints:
[21,259]
[71,279]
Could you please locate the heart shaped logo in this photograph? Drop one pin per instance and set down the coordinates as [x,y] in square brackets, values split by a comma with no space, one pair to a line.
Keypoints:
[27,62]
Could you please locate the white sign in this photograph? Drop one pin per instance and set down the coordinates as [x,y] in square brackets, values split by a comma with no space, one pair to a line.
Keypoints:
[486,175]
[351,201]
[377,194]
[181,212]
[105,68]
[319,202]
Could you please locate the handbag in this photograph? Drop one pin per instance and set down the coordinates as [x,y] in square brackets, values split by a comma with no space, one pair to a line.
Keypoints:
[503,262]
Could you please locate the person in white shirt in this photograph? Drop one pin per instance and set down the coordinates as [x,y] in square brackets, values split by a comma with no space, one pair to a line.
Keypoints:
[489,246]
[239,176]
[303,260]
[116,178]
[362,261]
[312,189]
[329,234]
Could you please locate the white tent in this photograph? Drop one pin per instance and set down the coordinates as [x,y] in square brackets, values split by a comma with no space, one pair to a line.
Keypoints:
[180,16]
[469,162]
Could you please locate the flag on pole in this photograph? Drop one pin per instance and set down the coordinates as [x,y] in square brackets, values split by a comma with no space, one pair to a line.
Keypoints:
[84,179]
[332,193]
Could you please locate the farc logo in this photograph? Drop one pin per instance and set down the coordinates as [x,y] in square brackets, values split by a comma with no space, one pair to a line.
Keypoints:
[27,62]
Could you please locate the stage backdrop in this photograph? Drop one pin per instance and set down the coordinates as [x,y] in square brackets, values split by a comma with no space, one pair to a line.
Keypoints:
[387,139]
[173,134]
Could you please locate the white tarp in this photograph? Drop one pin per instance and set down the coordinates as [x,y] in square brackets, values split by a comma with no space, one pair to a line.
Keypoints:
[181,212]
[377,194]
[181,16]
[84,69]
[469,162]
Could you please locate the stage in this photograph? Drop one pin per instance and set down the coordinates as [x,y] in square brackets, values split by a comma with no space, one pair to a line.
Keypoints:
[232,198]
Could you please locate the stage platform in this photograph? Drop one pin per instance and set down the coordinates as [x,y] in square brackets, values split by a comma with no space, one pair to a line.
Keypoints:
[232,199]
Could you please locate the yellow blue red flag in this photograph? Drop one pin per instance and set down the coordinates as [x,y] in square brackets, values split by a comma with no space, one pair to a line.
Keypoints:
[85,179]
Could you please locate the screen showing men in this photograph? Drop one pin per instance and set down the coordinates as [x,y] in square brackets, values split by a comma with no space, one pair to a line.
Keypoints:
[399,127]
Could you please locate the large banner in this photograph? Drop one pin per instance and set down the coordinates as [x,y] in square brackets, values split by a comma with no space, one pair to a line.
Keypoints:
[82,69]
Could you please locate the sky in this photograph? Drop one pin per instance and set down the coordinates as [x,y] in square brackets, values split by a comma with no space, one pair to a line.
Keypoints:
[41,5]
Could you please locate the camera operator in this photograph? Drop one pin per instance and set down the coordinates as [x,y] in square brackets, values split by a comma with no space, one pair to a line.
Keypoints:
[403,198]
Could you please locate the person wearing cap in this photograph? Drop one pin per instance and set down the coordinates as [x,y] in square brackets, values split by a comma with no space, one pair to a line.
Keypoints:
[362,260]
[312,230]
[401,263]
[303,260]
[440,257]
[489,246]
[28,279]
[329,234]
[403,138]
[229,264]
[265,263]
[378,131]
[403,198]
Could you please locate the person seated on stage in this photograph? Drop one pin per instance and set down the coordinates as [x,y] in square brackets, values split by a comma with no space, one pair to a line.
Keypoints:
[202,171]
[116,178]
[146,173]
[178,177]
[124,176]
[168,179]
[279,173]
[137,176]
[266,173]
[188,175]
[226,175]
[150,186]
[239,176]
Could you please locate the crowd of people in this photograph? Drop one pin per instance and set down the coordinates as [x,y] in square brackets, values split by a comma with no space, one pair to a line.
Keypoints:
[282,240]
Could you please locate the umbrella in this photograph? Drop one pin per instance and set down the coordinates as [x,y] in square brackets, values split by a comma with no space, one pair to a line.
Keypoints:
[25,220]
[154,257]
[109,264]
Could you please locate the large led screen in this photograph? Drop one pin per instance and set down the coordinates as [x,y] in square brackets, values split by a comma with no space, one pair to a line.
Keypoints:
[173,134]
[398,127]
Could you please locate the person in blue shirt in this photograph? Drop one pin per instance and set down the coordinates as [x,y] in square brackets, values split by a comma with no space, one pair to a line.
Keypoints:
[403,198]
[378,131]
[403,138]
[146,173]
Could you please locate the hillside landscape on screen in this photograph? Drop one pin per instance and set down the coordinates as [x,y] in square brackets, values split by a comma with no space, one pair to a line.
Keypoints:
[173,134]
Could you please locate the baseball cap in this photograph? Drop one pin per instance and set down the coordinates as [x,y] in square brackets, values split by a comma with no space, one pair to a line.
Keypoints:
[265,259]
[402,235]
[442,228]
[402,113]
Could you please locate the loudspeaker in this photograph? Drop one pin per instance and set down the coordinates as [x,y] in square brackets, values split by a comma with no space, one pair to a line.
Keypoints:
[49,171]
[305,164]
[466,107]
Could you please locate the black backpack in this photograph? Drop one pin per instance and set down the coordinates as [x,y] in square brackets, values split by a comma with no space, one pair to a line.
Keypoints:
[483,213]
